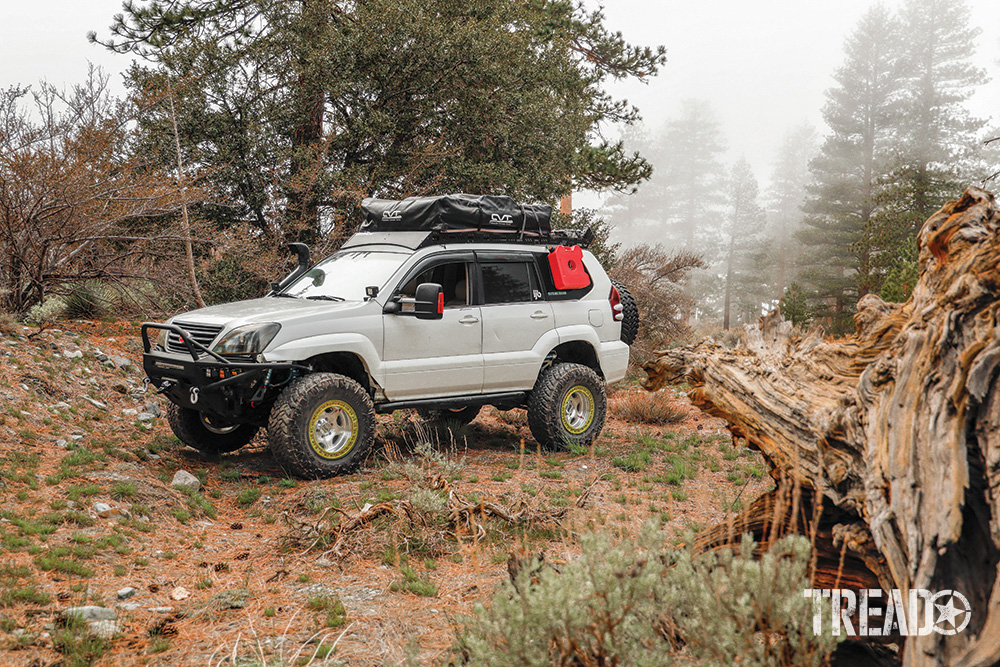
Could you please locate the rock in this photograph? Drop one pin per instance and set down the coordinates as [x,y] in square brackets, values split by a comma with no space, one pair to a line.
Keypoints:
[61,405]
[121,362]
[130,606]
[76,437]
[103,629]
[130,412]
[185,481]
[324,562]
[90,613]
[75,354]
[126,593]
[105,511]
[61,444]
[95,403]
[153,409]
[145,416]
[180,593]
[100,356]
[162,610]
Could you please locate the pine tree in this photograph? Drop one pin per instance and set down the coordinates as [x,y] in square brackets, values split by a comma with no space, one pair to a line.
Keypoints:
[861,112]
[681,201]
[938,150]
[294,110]
[785,197]
[745,253]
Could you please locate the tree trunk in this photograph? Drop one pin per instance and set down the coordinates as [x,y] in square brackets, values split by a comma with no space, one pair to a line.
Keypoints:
[892,433]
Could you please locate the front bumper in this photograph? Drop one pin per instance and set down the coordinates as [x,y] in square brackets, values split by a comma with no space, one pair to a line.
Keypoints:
[236,392]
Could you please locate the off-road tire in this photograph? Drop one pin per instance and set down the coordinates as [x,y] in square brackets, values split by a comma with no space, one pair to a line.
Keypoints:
[630,314]
[547,406]
[190,428]
[460,416]
[318,402]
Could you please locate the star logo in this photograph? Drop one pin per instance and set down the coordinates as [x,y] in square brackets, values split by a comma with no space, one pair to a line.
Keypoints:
[952,618]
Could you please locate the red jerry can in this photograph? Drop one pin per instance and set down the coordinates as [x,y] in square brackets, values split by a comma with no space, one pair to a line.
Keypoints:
[566,263]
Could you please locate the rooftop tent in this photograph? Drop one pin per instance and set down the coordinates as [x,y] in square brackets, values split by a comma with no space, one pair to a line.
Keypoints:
[457,213]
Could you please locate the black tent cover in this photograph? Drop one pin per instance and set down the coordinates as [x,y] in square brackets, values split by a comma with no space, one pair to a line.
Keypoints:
[456,213]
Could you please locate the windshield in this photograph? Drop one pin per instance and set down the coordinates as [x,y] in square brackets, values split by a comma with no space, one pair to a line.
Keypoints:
[344,275]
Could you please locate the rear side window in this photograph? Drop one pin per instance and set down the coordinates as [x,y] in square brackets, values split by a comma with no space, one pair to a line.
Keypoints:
[508,282]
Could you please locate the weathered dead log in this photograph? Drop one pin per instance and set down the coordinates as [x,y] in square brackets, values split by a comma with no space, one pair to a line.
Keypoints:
[896,427]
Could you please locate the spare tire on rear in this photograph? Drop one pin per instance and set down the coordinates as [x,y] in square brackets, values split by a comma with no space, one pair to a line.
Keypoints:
[630,314]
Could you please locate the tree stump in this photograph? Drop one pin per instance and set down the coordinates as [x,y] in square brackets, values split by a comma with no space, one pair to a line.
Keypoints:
[891,434]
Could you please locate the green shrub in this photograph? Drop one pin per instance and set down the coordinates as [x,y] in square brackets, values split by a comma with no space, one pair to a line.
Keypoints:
[633,603]
[229,279]
[86,301]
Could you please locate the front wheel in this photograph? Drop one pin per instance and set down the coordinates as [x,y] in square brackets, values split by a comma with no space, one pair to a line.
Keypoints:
[207,435]
[568,406]
[322,425]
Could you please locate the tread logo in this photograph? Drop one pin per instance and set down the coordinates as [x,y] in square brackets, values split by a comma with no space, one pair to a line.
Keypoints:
[922,612]
[498,219]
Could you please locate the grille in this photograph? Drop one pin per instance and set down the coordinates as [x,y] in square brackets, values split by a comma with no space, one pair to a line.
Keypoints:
[200,333]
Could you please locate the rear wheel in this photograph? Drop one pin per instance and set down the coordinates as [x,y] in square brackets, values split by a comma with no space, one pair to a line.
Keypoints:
[322,425]
[568,406]
[461,416]
[206,434]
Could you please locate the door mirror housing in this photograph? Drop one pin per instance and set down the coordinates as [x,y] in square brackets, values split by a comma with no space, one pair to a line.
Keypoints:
[429,302]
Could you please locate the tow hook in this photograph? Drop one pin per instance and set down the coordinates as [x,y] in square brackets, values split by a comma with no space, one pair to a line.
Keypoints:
[194,395]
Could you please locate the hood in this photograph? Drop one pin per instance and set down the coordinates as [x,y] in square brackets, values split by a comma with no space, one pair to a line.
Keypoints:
[266,309]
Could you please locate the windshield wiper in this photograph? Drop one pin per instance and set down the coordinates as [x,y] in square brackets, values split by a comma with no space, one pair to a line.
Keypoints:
[325,297]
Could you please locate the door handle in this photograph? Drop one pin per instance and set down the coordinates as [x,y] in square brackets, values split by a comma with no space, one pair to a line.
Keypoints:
[468,319]
[538,315]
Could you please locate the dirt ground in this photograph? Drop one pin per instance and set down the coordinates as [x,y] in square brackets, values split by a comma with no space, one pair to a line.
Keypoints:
[254,568]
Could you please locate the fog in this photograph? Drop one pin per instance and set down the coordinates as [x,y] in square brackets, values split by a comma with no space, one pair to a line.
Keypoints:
[764,66]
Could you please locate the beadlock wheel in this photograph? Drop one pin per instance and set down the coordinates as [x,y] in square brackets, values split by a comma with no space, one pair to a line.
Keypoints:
[567,407]
[197,430]
[322,425]
[578,409]
[333,429]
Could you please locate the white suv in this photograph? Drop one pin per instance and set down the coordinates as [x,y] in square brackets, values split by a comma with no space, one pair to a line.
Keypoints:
[436,320]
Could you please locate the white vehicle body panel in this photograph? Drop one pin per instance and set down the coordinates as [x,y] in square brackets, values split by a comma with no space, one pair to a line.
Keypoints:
[516,339]
[471,350]
[427,358]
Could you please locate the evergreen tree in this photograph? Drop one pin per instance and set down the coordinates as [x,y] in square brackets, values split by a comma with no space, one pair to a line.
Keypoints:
[861,112]
[680,203]
[786,195]
[295,110]
[938,151]
[744,255]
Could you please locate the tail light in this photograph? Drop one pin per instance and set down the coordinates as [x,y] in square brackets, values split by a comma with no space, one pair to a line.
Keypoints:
[616,304]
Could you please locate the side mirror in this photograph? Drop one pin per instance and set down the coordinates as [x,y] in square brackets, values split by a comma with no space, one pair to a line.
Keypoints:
[429,302]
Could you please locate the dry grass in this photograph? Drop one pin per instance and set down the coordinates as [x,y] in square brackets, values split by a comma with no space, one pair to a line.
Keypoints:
[656,408]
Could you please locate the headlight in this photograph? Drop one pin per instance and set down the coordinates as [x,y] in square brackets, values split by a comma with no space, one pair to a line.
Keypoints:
[249,339]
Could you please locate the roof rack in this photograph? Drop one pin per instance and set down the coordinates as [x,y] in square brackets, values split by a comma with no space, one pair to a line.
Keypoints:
[582,238]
